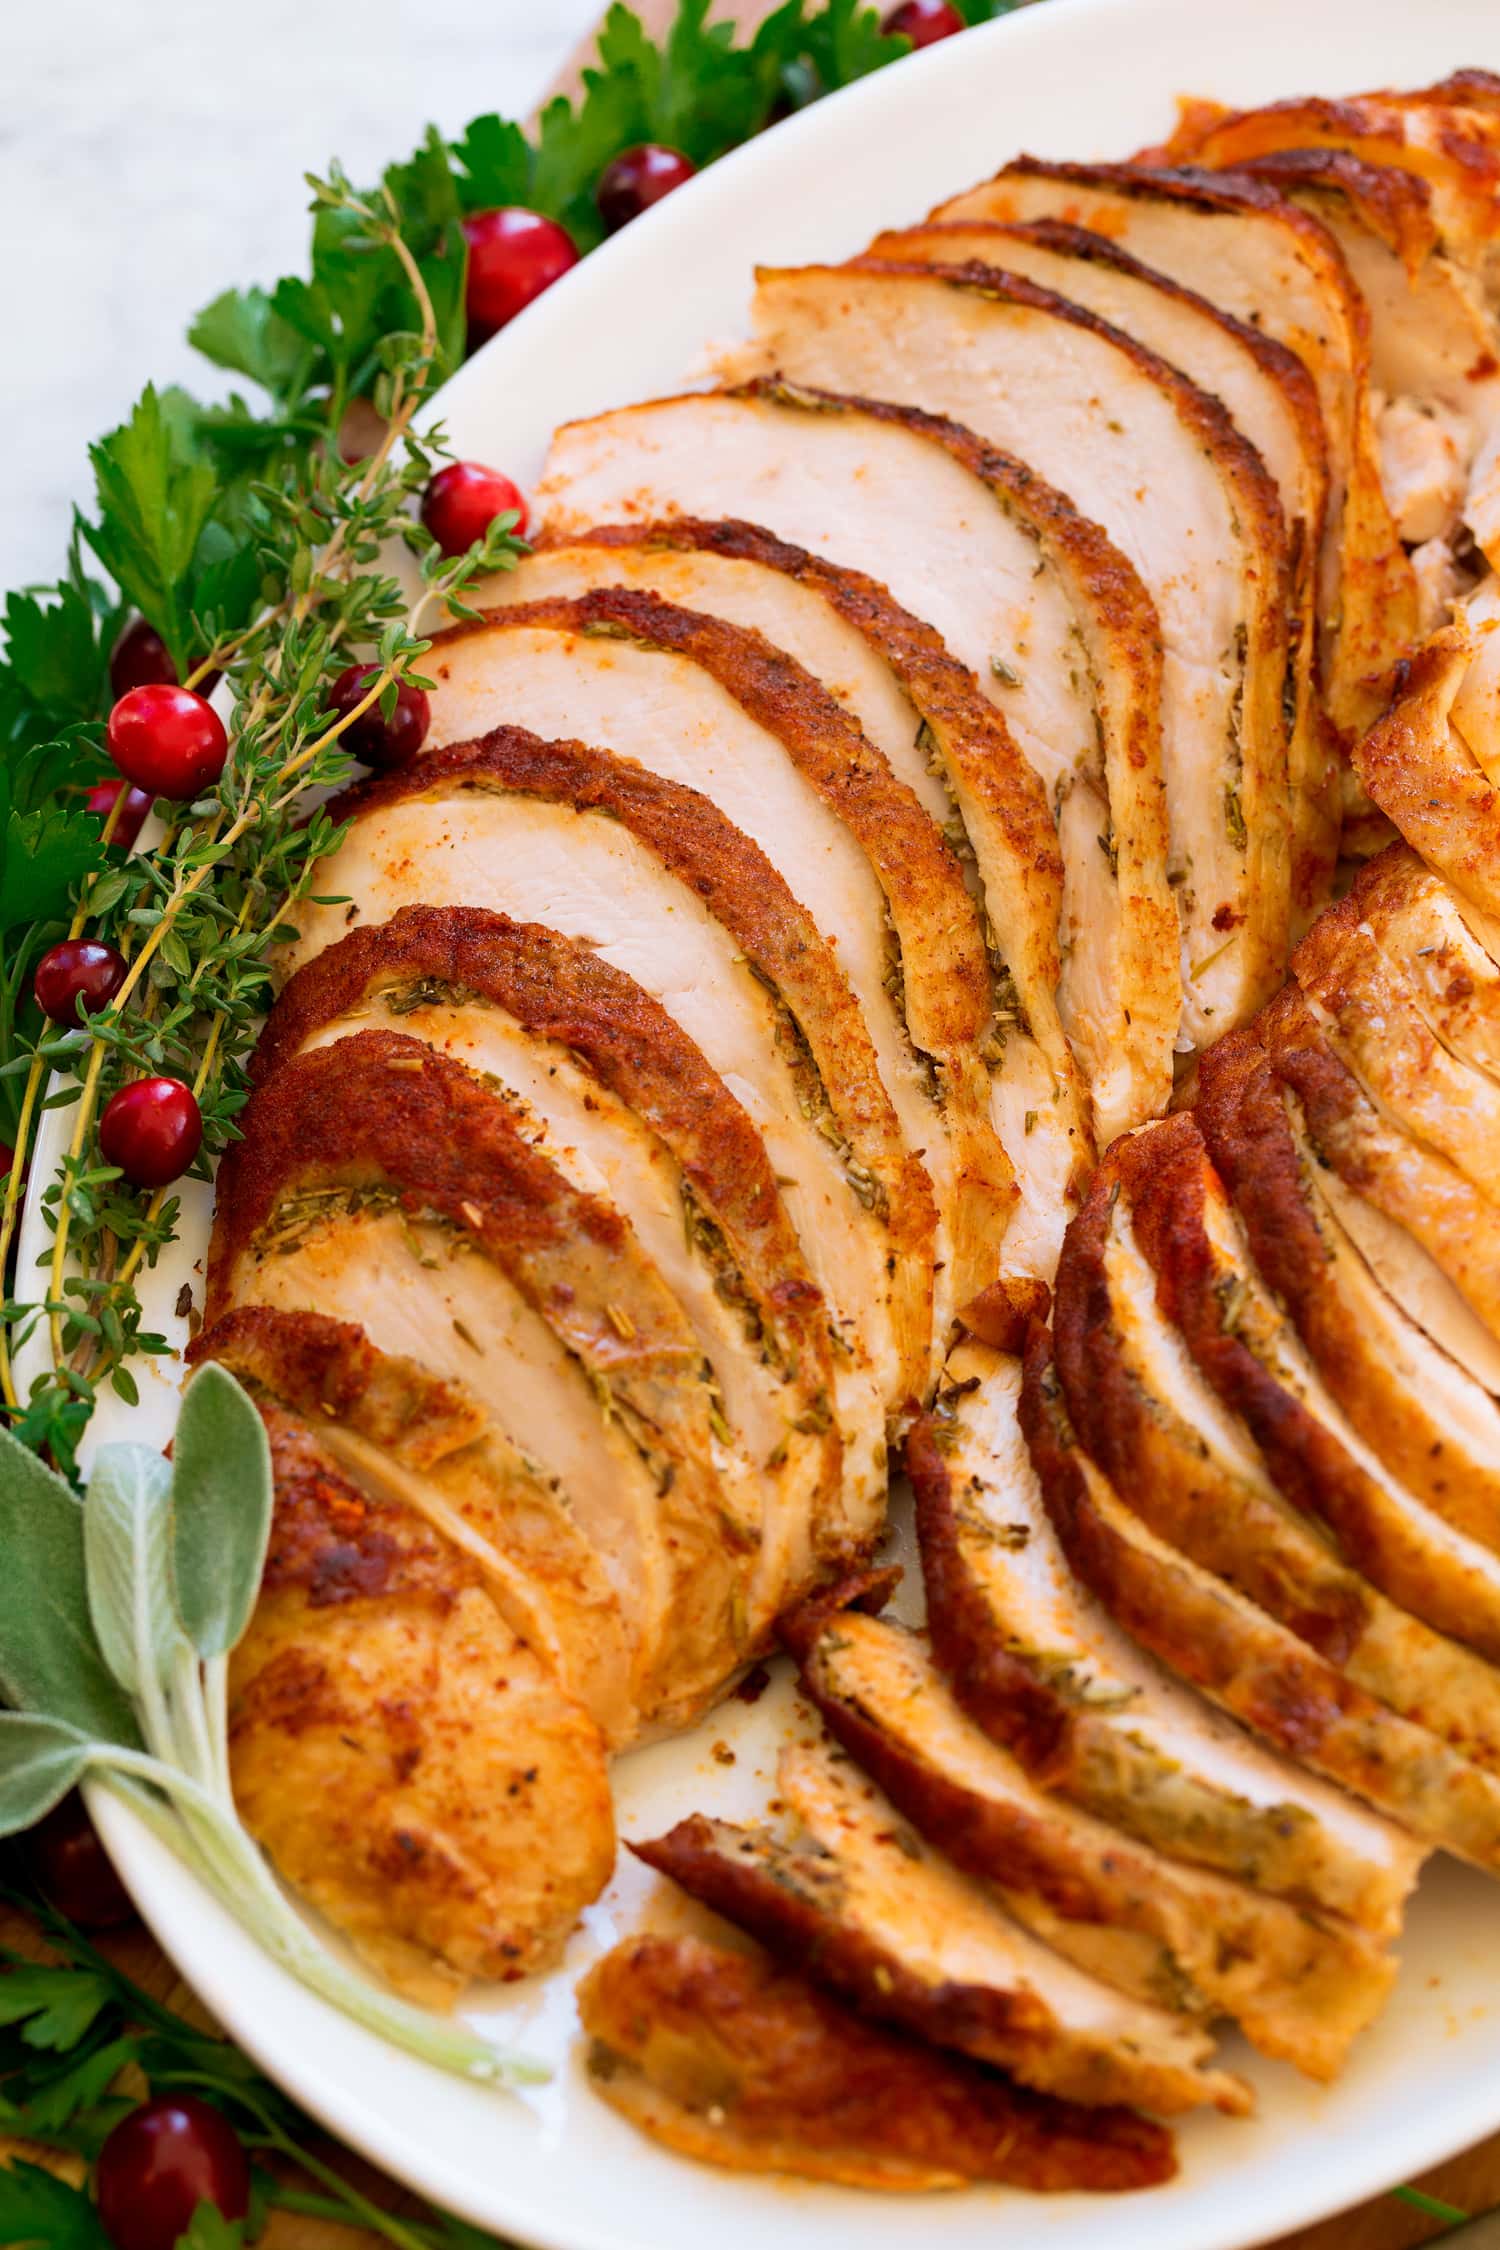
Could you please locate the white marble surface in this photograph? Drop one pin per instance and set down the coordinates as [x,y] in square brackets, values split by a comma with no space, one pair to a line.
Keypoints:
[151,154]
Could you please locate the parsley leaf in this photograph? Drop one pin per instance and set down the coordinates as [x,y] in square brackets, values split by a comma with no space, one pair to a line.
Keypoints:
[39,2212]
[154,502]
[845,42]
[53,2006]
[208,2229]
[243,331]
[44,854]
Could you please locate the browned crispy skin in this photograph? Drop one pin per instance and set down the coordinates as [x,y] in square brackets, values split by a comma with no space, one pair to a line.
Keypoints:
[1001,1315]
[1395,206]
[1242,1116]
[1424,779]
[410,1766]
[1306,1460]
[741,889]
[728,2059]
[563,992]
[1259,1673]
[947,993]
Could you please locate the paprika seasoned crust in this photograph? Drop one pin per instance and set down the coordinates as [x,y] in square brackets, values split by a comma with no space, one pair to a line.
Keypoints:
[1418,922]
[606,1085]
[1241,1340]
[1272,401]
[724,2057]
[1187,1465]
[381,1180]
[1039,1663]
[428,1446]
[951,749]
[1415,1189]
[1160,466]
[1017,584]
[1430,1421]
[413,1769]
[1247,249]
[713,706]
[864,1907]
[1154,1927]
[660,886]
[1234,1653]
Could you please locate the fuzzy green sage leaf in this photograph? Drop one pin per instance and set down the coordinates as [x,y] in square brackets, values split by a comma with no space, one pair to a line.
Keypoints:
[221,1510]
[40,1761]
[127,1520]
[50,1661]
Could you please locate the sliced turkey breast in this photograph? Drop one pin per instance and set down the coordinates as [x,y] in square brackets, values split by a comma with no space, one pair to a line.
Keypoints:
[1166,1932]
[1189,1468]
[723,2057]
[380,1180]
[949,746]
[663,889]
[1411,1186]
[1432,340]
[622,1102]
[427,1446]
[412,1768]
[1045,1670]
[867,1909]
[715,707]
[1272,400]
[1421,1410]
[1240,1338]
[1432,765]
[1230,1650]
[1247,249]
[1050,619]
[1161,467]
[1373,1018]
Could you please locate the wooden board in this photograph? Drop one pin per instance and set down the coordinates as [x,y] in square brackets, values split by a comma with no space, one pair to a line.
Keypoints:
[1470,2182]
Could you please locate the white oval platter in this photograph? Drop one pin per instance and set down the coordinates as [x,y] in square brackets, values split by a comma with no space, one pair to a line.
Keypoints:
[556,2170]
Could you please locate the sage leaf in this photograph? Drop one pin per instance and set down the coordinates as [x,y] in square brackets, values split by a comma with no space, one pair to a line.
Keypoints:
[40,1761]
[127,1521]
[50,1661]
[221,1510]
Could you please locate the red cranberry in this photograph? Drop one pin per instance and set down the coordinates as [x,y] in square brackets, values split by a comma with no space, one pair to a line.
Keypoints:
[463,500]
[168,741]
[140,658]
[160,2163]
[72,1870]
[7,1158]
[101,801]
[375,740]
[636,180]
[923,22]
[152,1130]
[513,256]
[79,971]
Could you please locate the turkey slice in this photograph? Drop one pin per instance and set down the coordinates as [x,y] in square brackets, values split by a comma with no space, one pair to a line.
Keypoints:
[412,1769]
[945,743]
[716,708]
[1189,1468]
[721,2056]
[1045,1670]
[606,1086]
[380,1181]
[1245,248]
[1301,1989]
[1272,400]
[1422,1411]
[1414,1188]
[1049,619]
[1162,469]
[663,890]
[1230,1650]
[425,1444]
[868,1910]
[1242,1341]
[1417,921]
